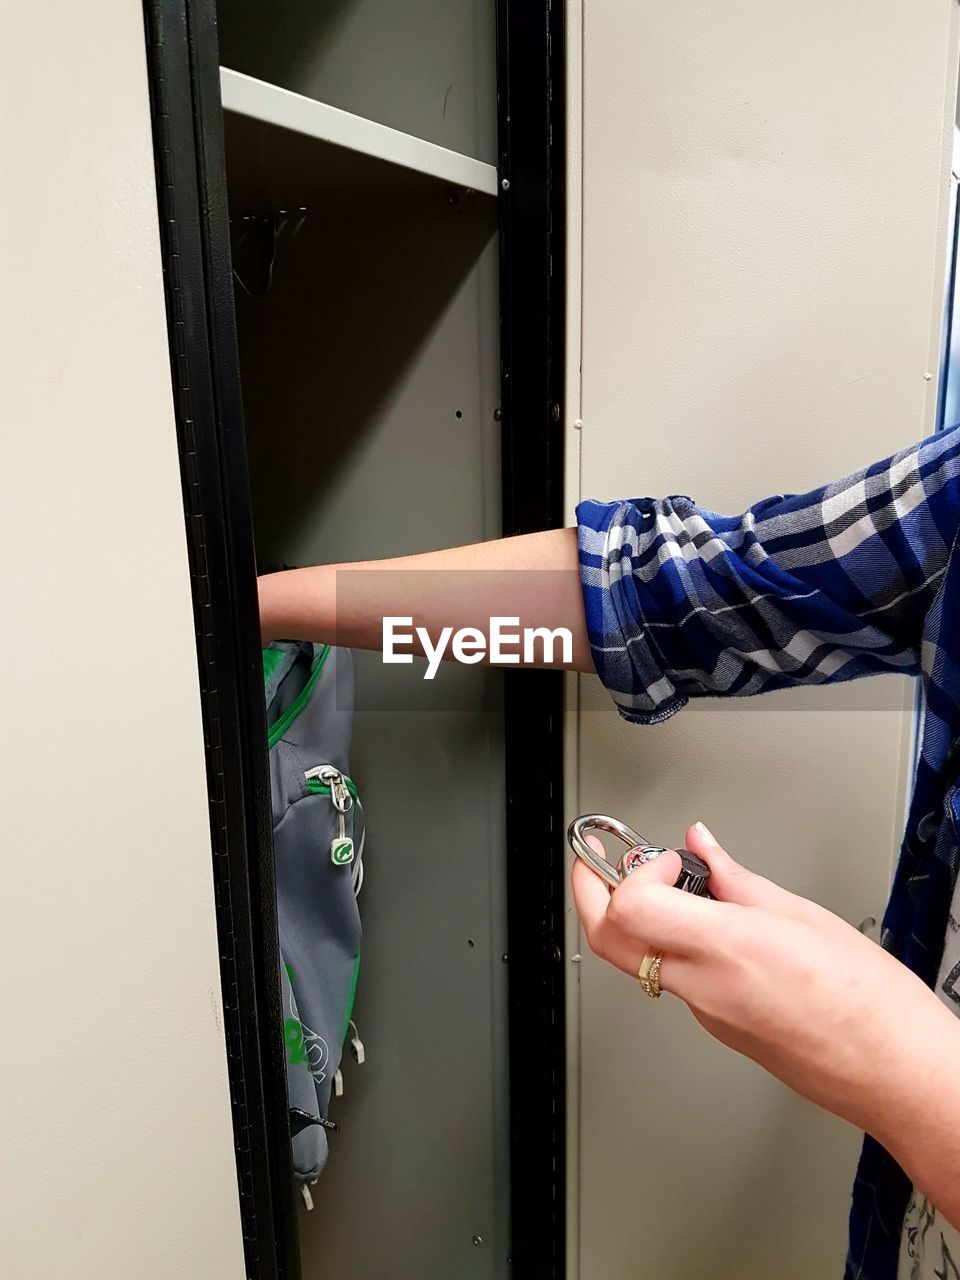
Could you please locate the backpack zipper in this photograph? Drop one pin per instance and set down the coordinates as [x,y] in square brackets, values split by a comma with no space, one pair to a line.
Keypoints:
[327,780]
[280,727]
[319,779]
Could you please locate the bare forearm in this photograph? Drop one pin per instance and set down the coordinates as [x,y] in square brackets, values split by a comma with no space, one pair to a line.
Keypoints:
[918,1113]
[534,578]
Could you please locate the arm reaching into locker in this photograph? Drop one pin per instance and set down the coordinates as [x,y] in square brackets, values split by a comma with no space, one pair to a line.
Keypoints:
[534,578]
[667,600]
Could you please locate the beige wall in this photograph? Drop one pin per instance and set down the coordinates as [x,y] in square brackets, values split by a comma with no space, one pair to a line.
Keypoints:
[756,265]
[115,1133]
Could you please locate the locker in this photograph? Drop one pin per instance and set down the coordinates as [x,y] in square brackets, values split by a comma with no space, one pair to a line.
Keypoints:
[303,283]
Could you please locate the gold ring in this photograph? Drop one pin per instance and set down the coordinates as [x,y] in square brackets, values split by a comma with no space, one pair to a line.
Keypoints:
[649,974]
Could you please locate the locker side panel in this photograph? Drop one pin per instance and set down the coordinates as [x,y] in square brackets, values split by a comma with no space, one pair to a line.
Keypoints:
[114,1102]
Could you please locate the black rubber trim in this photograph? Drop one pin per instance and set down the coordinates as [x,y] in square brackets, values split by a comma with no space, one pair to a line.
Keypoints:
[531,105]
[194,231]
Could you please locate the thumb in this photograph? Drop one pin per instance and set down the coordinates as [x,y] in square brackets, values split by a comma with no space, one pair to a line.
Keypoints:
[663,869]
[730,882]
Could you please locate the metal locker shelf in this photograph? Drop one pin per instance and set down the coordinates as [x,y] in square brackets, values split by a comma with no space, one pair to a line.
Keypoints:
[272,105]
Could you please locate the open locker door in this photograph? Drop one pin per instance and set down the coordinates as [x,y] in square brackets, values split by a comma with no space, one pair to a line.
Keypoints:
[181,49]
[115,1103]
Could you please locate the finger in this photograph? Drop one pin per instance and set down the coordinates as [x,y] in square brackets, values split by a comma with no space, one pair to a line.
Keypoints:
[667,919]
[667,867]
[730,882]
[682,977]
[592,898]
[664,869]
[596,844]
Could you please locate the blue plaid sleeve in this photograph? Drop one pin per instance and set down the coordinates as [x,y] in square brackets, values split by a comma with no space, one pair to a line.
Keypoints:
[811,589]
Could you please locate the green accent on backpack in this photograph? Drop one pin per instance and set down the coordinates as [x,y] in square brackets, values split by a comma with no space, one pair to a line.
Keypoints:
[293,1036]
[280,727]
[341,852]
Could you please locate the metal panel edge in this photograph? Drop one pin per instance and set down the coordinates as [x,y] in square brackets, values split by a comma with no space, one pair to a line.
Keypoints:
[191,185]
[531,145]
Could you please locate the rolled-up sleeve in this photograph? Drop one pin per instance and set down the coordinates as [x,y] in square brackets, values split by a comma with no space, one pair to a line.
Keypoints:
[800,589]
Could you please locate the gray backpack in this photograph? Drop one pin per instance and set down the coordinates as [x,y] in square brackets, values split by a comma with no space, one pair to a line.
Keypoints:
[318,845]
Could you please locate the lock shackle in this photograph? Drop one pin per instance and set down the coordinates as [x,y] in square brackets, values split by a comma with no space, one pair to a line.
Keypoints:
[576,835]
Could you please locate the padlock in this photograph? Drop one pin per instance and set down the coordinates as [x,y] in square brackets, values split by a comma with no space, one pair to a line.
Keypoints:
[694,873]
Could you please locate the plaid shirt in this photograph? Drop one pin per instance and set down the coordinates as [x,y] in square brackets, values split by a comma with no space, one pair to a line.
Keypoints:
[854,579]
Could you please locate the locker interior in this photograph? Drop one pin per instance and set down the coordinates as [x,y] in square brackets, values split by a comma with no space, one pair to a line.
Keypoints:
[367,311]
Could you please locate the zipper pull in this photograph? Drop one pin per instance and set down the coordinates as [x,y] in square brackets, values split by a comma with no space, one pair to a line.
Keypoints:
[341,847]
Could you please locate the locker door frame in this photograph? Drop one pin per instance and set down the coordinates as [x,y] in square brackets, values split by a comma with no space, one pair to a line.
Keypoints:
[531,107]
[182,52]
[182,59]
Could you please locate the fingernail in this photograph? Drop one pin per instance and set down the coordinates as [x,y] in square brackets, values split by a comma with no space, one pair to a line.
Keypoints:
[707,834]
